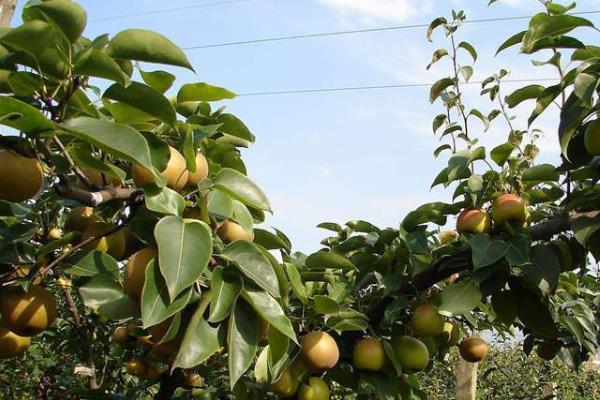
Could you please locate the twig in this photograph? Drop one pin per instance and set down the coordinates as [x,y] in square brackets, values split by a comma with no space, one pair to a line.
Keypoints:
[94,199]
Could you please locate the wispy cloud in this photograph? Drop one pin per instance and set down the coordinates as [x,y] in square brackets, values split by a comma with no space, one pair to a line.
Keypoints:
[390,10]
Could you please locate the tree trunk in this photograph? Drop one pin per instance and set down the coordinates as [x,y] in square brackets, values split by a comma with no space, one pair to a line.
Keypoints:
[466,380]
[7,9]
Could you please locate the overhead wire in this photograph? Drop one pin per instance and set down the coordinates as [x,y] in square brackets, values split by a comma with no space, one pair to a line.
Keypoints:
[379,87]
[359,31]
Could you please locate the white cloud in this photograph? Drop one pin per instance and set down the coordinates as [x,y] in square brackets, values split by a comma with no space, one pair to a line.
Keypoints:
[391,10]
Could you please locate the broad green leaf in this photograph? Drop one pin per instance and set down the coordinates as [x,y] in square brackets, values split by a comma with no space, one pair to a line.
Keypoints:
[33,37]
[522,94]
[435,24]
[279,345]
[439,87]
[261,367]
[120,309]
[23,117]
[542,172]
[225,289]
[220,204]
[242,341]
[200,341]
[253,264]
[159,80]
[543,26]
[268,240]
[241,188]
[325,305]
[68,16]
[322,260]
[100,289]
[164,200]
[119,140]
[341,324]
[83,155]
[469,48]
[148,46]
[270,310]
[431,212]
[459,298]
[233,126]
[505,306]
[437,56]
[486,251]
[144,98]
[330,226]
[242,216]
[184,248]
[545,270]
[512,41]
[296,282]
[90,264]
[156,305]
[203,92]
[535,315]
[500,154]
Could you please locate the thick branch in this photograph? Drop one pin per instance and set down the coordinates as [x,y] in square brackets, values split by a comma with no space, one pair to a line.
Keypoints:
[94,199]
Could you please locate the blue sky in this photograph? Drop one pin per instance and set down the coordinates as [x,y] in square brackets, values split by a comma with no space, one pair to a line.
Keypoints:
[344,155]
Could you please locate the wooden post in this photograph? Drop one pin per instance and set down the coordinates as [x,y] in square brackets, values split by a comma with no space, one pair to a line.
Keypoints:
[7,9]
[466,380]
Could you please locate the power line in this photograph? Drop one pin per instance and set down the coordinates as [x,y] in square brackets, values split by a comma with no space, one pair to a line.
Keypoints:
[358,31]
[169,10]
[393,86]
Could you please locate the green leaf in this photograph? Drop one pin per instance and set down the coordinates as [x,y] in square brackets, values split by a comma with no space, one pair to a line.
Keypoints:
[241,188]
[545,270]
[487,251]
[68,16]
[184,249]
[148,46]
[542,172]
[155,304]
[233,126]
[500,154]
[466,71]
[269,240]
[203,92]
[121,309]
[437,56]
[23,117]
[278,347]
[296,282]
[459,298]
[270,310]
[200,341]
[522,94]
[33,37]
[438,87]
[435,24]
[161,81]
[119,140]
[543,26]
[512,41]
[164,200]
[225,289]
[534,314]
[242,342]
[252,263]
[469,48]
[544,100]
[100,289]
[441,148]
[144,98]
[90,264]
[325,305]
[322,260]
[482,118]
[220,204]
[505,306]
[330,226]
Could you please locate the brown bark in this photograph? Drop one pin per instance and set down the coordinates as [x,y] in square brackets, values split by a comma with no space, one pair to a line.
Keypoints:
[7,9]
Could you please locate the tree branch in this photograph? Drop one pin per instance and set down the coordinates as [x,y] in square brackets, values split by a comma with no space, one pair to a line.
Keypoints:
[94,199]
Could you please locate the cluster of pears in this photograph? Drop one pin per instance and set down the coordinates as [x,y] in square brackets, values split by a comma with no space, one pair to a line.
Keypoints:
[24,313]
[506,208]
[428,326]
[319,353]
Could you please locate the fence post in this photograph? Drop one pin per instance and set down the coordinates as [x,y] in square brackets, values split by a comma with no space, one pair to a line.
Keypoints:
[466,380]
